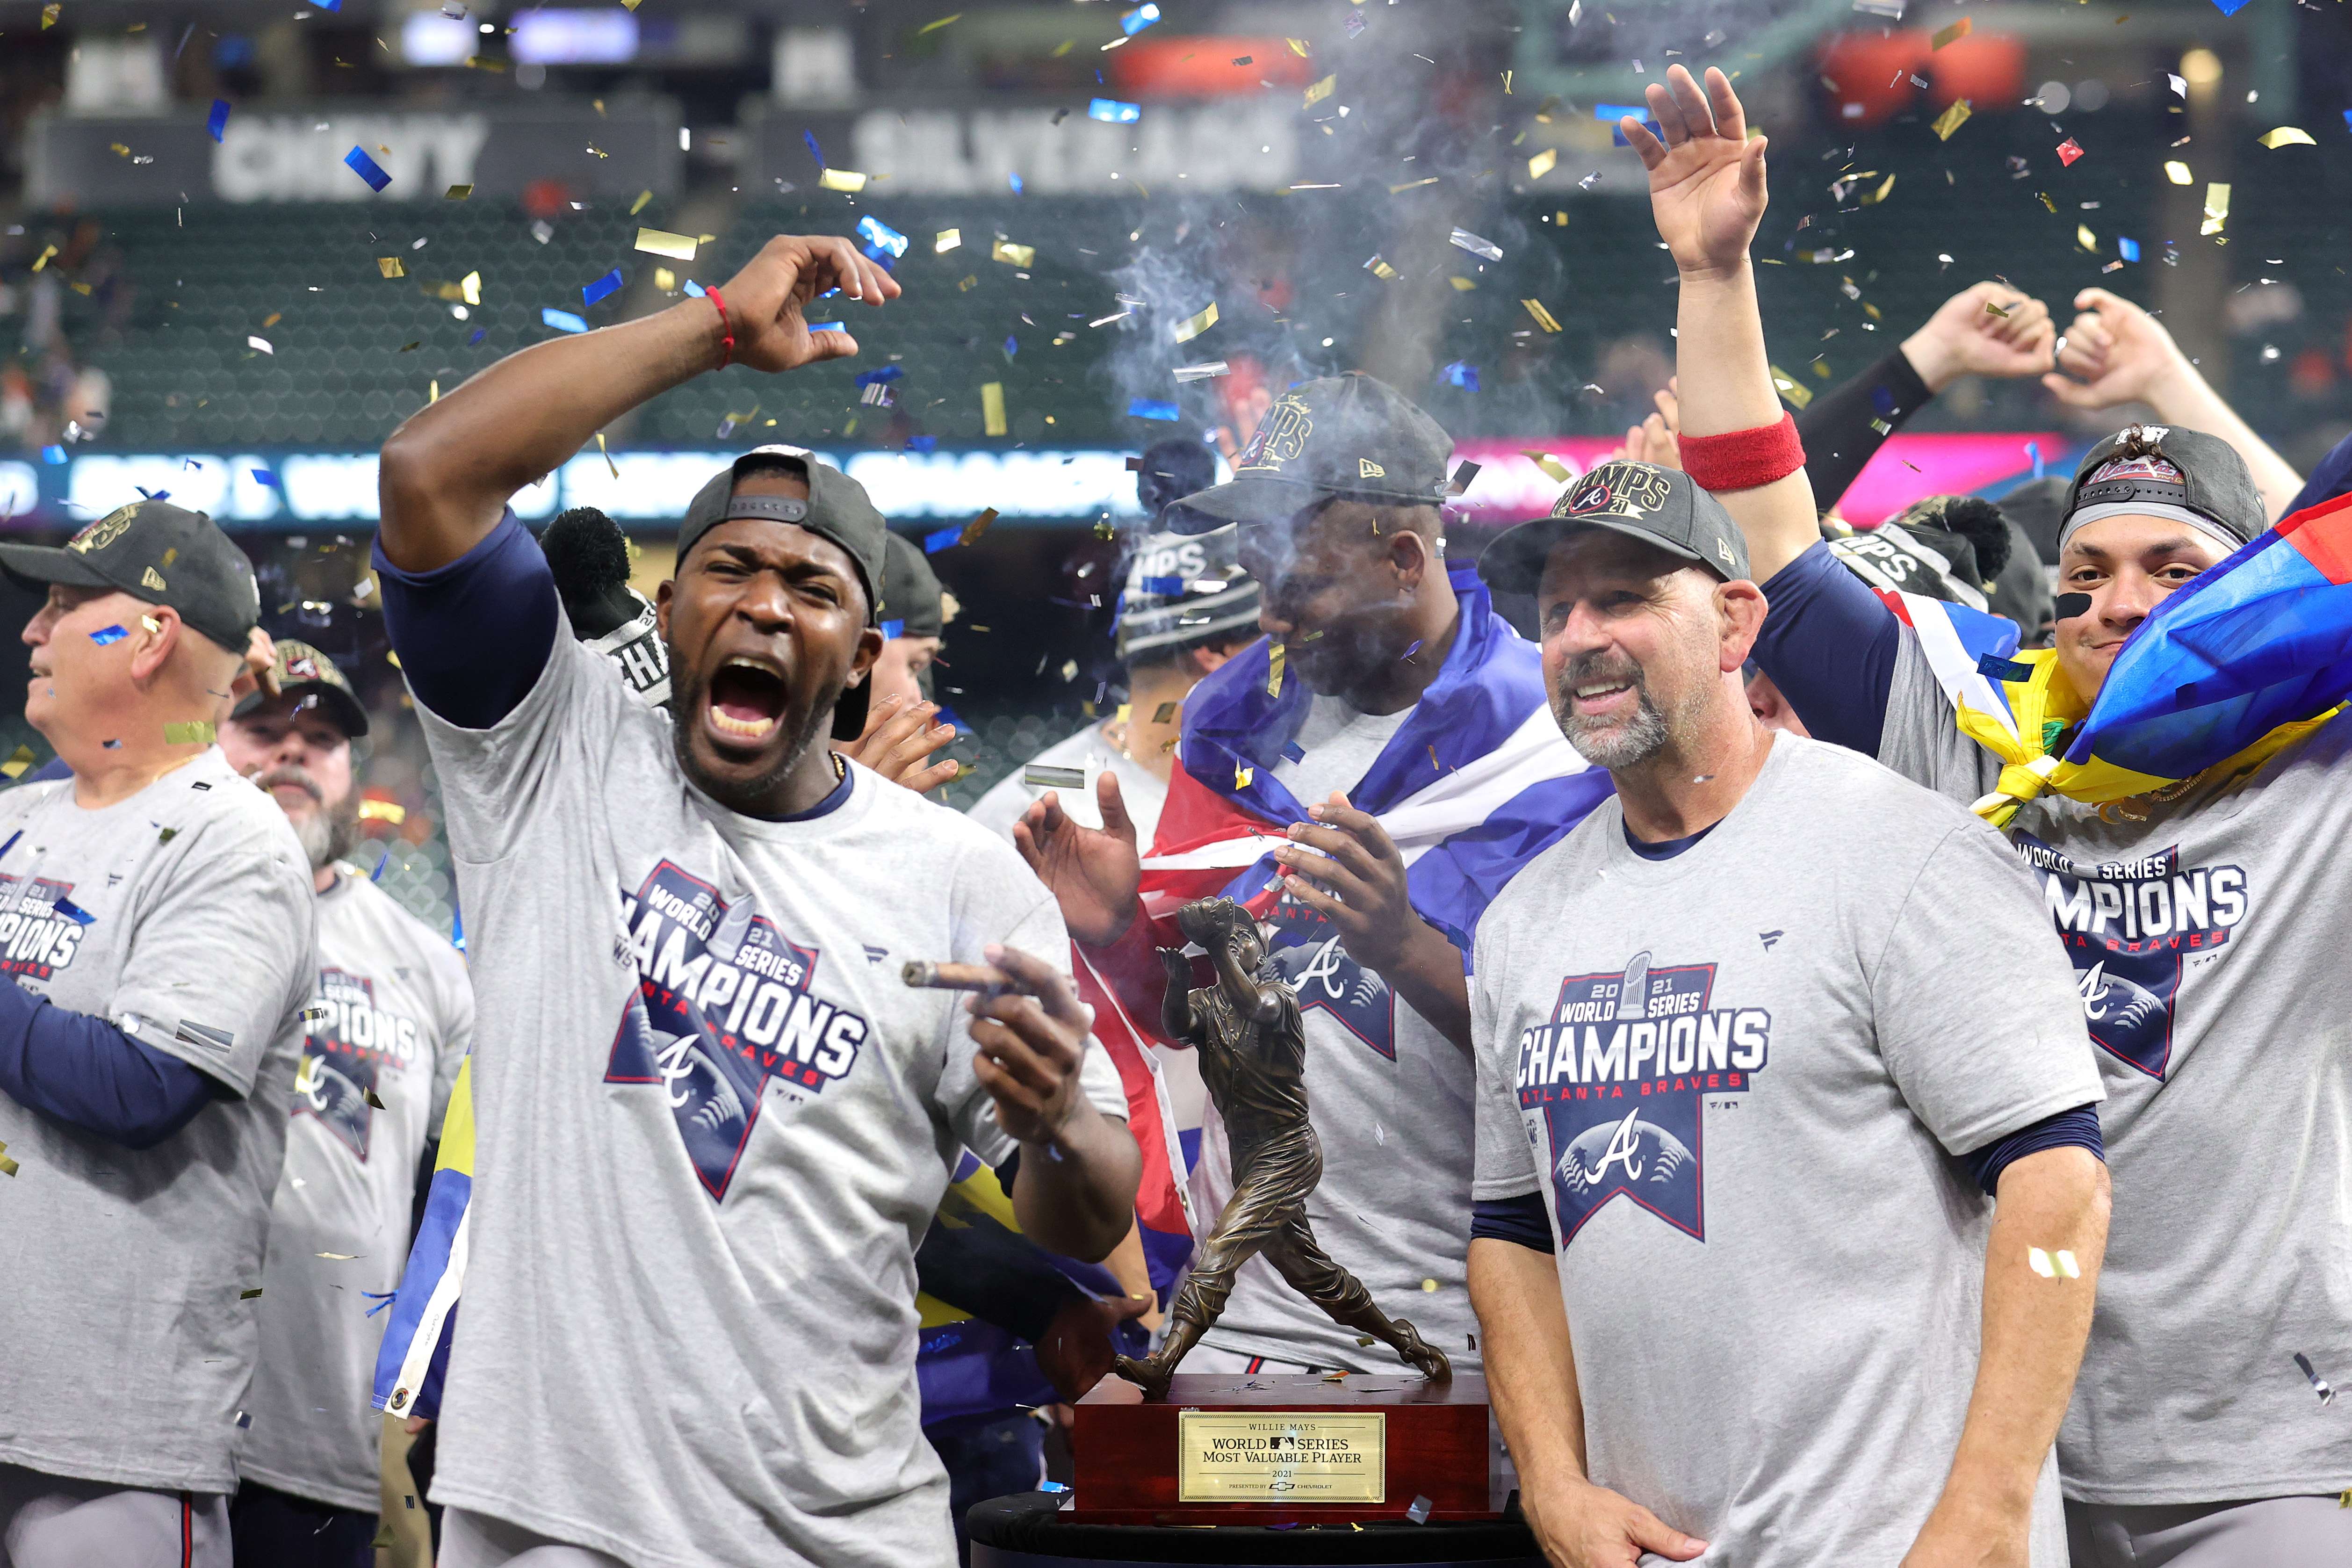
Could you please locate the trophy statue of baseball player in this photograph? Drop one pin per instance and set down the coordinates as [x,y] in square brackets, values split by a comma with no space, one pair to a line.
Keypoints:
[1253,1049]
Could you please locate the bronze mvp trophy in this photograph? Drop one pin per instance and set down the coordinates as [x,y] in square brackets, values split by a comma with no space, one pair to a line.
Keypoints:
[1169,1448]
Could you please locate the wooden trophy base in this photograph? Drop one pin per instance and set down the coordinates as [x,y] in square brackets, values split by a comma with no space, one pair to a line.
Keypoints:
[1293,1447]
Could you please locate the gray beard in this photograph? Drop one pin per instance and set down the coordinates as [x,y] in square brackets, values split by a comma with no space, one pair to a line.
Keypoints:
[329,835]
[1615,746]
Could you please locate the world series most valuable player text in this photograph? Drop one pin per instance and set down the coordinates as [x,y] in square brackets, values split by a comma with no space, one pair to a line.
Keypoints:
[1288,1457]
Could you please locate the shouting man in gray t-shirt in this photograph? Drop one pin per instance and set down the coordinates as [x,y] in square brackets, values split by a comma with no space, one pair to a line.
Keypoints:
[712,1122]
[155,953]
[1793,1125]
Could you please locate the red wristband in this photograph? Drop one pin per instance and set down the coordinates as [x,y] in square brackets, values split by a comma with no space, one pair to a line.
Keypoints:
[726,327]
[1743,459]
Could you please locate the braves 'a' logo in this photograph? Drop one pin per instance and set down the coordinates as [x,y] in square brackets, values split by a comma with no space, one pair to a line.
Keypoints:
[723,1005]
[1613,1084]
[1325,977]
[2130,927]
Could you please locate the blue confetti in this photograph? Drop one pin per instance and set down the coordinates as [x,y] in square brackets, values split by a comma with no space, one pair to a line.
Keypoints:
[478,334]
[1294,752]
[922,442]
[695,291]
[1056,1486]
[608,284]
[562,321]
[1143,16]
[2347,119]
[880,377]
[367,168]
[1610,113]
[1112,112]
[881,235]
[106,636]
[2230,7]
[1462,373]
[2129,248]
[935,542]
[1165,587]
[264,477]
[948,716]
[53,456]
[73,912]
[377,875]
[2033,450]
[218,122]
[1147,408]
[1011,345]
[893,630]
[826,327]
[1882,398]
[12,843]
[809,139]
[1016,183]
[153,495]
[381,1298]
[458,929]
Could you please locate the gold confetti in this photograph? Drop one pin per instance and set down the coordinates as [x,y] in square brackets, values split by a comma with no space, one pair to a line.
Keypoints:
[339,1256]
[1192,326]
[625,6]
[119,151]
[1412,185]
[2286,136]
[1273,670]
[991,407]
[2084,238]
[1429,1285]
[248,1295]
[16,767]
[1793,392]
[639,205]
[1165,713]
[1297,46]
[43,260]
[1461,285]
[2217,207]
[1551,466]
[458,193]
[1544,318]
[615,467]
[1243,776]
[389,266]
[947,239]
[964,284]
[976,527]
[1541,163]
[49,15]
[8,1166]
[1879,194]
[2177,172]
[2046,201]
[664,280]
[390,811]
[842,180]
[661,242]
[1952,118]
[1318,91]
[935,26]
[369,1096]
[469,287]
[196,733]
[1004,250]
[1382,270]
[1953,34]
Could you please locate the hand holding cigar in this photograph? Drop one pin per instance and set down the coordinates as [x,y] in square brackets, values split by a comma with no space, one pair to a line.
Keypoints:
[978,977]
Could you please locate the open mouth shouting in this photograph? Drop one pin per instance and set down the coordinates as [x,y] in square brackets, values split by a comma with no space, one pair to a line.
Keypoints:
[746,700]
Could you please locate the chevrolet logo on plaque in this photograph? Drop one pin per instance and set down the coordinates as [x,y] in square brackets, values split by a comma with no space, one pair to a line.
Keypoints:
[1280,1457]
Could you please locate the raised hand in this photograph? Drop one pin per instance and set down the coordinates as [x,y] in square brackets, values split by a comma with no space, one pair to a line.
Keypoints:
[898,744]
[767,299]
[2115,353]
[1964,338]
[1706,176]
[1095,874]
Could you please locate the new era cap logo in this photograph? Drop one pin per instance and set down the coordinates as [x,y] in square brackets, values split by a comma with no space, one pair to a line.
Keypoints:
[105,530]
[1368,469]
[1723,548]
[151,578]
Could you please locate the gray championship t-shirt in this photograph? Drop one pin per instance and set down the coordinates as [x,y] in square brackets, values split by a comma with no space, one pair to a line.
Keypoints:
[1740,1077]
[713,1124]
[2207,937]
[390,1021]
[1389,1097]
[183,915]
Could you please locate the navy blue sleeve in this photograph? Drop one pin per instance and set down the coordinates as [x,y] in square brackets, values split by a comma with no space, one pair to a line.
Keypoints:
[1521,1219]
[2078,1128]
[2331,478]
[1829,644]
[88,1074]
[474,635]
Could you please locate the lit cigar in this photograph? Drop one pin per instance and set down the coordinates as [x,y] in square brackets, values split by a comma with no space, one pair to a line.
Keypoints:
[923,976]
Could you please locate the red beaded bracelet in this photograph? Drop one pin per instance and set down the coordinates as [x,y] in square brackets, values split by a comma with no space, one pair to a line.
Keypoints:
[726,327]
[1743,459]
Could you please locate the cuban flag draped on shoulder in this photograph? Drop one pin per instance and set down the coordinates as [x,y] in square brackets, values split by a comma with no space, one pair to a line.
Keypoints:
[1476,783]
[2249,656]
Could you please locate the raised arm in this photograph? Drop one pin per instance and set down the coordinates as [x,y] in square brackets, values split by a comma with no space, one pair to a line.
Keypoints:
[2116,353]
[1707,196]
[447,471]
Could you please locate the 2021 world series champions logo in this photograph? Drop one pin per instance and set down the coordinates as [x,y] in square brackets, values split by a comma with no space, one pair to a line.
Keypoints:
[1614,1082]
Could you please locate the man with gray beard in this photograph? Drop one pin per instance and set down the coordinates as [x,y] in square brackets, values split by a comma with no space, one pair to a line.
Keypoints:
[390,1020]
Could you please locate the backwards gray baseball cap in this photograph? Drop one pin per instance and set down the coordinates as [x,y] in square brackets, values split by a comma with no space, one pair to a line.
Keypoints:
[1660,507]
[162,554]
[2156,470]
[1348,435]
[1183,590]
[837,508]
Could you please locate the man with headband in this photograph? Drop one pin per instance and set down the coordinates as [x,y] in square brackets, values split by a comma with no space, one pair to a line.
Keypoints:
[717,1122]
[2198,917]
